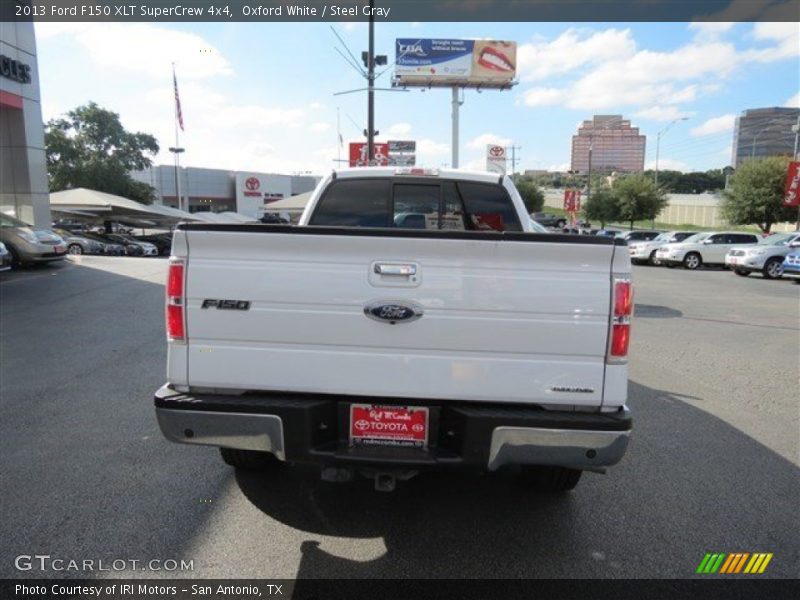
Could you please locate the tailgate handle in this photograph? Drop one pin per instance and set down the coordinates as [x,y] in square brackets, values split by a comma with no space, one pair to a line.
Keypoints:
[399,270]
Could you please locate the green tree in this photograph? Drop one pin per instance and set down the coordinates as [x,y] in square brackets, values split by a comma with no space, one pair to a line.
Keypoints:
[90,148]
[601,206]
[532,196]
[638,198]
[756,194]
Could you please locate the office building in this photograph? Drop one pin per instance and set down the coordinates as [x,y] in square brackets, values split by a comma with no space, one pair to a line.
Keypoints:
[762,132]
[611,143]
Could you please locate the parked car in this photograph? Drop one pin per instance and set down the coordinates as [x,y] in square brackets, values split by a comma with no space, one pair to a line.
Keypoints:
[5,258]
[538,227]
[130,243]
[708,247]
[546,220]
[607,232]
[128,248]
[766,256]
[109,248]
[28,244]
[410,348]
[162,241]
[791,263]
[80,244]
[645,251]
[639,235]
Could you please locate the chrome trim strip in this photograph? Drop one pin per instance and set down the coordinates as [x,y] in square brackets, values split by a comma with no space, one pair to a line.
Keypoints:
[242,431]
[557,447]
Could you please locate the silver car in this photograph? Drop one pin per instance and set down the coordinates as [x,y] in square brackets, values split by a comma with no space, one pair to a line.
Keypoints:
[766,256]
[645,251]
[28,244]
[78,244]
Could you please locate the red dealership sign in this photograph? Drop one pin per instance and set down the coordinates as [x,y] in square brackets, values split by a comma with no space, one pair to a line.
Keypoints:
[572,201]
[358,154]
[791,191]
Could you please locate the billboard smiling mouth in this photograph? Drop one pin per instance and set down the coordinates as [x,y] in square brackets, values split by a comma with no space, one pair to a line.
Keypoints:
[495,60]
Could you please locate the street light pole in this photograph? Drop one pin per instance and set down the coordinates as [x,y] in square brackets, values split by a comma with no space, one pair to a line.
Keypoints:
[371,88]
[177,152]
[658,143]
[796,130]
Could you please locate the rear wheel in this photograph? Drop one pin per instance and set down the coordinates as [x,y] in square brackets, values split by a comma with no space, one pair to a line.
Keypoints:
[773,269]
[16,261]
[692,261]
[75,249]
[653,260]
[561,223]
[248,460]
[741,272]
[550,479]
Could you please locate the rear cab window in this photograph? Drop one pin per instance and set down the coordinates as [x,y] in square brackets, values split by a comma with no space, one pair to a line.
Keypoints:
[416,204]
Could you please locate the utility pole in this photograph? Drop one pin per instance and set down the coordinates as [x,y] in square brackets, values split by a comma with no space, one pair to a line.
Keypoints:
[796,130]
[658,143]
[514,159]
[456,104]
[371,87]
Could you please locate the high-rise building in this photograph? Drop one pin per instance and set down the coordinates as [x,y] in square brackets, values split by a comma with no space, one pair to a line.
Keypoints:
[762,132]
[612,144]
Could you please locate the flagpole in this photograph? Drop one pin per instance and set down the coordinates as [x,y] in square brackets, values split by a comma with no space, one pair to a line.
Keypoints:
[338,140]
[176,150]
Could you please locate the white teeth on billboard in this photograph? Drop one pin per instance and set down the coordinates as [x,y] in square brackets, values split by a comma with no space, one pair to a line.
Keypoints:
[496,61]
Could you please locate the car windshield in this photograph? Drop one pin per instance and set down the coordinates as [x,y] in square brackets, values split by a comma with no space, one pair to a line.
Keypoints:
[663,237]
[9,221]
[697,237]
[778,239]
[538,228]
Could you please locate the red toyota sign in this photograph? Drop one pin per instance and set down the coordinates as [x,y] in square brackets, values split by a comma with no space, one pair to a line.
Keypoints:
[358,154]
[572,201]
[791,191]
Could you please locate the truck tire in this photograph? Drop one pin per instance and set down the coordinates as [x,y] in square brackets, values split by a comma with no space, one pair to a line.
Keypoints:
[773,268]
[550,480]
[692,261]
[248,460]
[741,272]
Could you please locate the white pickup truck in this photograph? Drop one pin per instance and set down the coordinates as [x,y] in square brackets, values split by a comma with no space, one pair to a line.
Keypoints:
[412,320]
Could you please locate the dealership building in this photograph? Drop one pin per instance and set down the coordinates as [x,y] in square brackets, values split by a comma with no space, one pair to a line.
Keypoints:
[219,190]
[23,165]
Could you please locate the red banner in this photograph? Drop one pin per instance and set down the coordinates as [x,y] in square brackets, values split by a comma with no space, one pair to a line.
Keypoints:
[358,154]
[791,191]
[572,201]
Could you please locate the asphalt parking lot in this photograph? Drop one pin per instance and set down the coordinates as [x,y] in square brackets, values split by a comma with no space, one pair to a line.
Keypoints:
[712,466]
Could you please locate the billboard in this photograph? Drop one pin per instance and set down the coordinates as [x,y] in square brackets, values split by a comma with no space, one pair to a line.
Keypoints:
[496,159]
[255,190]
[358,154]
[445,62]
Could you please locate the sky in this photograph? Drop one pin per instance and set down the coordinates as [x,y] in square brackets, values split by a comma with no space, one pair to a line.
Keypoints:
[260,96]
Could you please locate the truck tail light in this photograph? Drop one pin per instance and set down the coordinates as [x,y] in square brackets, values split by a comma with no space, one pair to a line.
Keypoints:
[620,333]
[176,322]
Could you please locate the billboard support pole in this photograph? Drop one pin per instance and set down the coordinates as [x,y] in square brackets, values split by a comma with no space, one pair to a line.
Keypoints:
[454,141]
[371,88]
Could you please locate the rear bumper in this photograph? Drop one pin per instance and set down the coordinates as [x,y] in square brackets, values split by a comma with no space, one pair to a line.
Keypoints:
[308,428]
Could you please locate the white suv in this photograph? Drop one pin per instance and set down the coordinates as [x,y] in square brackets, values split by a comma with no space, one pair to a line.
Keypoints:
[644,251]
[766,256]
[709,247]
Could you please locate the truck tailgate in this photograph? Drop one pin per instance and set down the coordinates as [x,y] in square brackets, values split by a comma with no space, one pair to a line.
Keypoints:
[505,319]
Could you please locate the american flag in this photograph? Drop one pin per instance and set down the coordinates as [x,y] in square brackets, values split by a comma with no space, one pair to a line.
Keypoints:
[178,112]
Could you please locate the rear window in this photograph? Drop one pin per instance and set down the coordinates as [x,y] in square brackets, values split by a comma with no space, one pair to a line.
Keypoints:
[404,204]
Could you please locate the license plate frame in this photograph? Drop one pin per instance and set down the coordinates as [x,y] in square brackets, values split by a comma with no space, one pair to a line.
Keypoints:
[387,425]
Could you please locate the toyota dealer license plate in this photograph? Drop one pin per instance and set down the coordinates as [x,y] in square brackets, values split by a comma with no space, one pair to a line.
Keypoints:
[405,426]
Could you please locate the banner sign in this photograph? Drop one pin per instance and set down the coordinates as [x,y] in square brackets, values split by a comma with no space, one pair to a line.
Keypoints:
[255,190]
[402,147]
[572,201]
[496,159]
[359,158]
[445,62]
[791,190]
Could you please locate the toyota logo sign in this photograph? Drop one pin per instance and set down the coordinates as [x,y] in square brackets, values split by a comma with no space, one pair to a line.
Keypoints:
[497,152]
[252,183]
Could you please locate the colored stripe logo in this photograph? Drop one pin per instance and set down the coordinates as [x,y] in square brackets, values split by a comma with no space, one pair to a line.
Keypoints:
[734,563]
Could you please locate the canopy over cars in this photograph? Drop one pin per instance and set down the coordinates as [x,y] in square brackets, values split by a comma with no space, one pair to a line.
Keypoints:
[100,205]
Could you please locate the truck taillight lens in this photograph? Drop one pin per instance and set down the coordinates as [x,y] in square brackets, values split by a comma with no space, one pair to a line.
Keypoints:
[176,323]
[620,334]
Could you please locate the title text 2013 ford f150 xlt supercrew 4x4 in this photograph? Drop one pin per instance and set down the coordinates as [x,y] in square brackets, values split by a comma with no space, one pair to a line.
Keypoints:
[411,320]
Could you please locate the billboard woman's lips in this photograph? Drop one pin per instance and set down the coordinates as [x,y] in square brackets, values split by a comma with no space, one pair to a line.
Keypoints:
[495,60]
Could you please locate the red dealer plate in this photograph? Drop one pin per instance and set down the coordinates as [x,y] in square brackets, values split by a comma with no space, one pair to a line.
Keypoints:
[372,425]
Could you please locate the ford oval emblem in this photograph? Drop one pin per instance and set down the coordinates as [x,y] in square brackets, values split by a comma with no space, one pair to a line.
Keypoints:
[393,312]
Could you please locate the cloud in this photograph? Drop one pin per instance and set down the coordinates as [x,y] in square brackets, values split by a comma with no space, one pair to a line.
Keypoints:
[662,113]
[543,97]
[480,142]
[668,164]
[319,127]
[710,29]
[399,129]
[559,168]
[714,125]
[430,149]
[570,50]
[794,101]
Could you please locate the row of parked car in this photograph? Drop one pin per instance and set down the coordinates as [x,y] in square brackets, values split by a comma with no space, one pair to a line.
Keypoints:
[22,244]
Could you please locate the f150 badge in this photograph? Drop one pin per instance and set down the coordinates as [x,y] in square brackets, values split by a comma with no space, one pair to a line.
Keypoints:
[226,304]
[393,312]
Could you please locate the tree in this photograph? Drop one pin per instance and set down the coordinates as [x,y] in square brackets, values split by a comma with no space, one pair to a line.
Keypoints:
[756,194]
[638,198]
[90,148]
[601,206]
[532,196]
